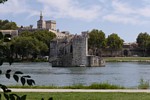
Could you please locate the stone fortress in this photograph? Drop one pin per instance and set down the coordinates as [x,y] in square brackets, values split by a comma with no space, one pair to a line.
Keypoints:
[72,50]
[66,49]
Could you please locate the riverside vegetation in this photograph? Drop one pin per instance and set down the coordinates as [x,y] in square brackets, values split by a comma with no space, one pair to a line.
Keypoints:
[143,84]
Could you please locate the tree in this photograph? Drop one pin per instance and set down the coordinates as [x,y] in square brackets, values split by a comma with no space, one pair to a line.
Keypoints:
[26,46]
[2,1]
[114,42]
[10,25]
[16,75]
[143,41]
[6,54]
[1,36]
[44,36]
[96,40]
[6,25]
[26,34]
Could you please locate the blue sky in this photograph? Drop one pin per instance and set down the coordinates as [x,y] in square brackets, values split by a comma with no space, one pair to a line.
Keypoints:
[127,18]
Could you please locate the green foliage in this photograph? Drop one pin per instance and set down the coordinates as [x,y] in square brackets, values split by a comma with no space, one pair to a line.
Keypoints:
[114,42]
[16,75]
[96,39]
[143,41]
[6,25]
[44,36]
[2,1]
[143,84]
[26,34]
[1,36]
[94,86]
[26,46]
[104,86]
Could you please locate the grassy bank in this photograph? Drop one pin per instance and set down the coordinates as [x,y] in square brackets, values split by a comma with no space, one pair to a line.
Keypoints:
[127,59]
[87,96]
[77,86]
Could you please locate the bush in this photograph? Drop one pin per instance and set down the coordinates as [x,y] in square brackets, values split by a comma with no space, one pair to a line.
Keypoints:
[143,84]
[104,86]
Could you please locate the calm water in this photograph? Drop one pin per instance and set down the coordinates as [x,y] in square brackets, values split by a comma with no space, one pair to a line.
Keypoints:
[124,74]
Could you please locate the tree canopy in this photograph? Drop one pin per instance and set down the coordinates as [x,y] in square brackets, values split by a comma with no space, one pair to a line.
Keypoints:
[114,42]
[143,41]
[96,39]
[44,36]
[6,25]
[35,43]
[26,46]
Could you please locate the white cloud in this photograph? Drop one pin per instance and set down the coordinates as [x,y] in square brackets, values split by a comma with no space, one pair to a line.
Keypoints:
[122,7]
[120,11]
[126,13]
[13,6]
[145,11]
[16,7]
[70,9]
[122,19]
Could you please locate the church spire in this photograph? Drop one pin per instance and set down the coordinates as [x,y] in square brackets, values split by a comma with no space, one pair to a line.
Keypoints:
[41,16]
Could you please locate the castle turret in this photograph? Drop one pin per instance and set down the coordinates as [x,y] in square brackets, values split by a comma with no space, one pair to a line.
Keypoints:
[41,24]
[41,16]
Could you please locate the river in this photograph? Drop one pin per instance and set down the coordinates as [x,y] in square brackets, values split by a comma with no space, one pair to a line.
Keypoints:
[126,74]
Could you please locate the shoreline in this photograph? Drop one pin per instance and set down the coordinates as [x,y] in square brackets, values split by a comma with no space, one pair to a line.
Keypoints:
[127,59]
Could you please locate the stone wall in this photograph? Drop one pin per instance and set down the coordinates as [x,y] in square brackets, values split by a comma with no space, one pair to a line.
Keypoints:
[79,51]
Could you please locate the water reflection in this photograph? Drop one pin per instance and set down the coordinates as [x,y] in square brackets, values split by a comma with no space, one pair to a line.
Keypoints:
[123,73]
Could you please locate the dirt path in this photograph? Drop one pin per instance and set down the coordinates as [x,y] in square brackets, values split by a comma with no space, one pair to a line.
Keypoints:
[79,90]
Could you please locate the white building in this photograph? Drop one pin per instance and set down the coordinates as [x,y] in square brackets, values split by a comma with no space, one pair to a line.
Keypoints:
[13,33]
[49,24]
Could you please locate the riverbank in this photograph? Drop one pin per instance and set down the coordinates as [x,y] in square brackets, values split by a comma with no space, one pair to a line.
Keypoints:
[127,59]
[76,86]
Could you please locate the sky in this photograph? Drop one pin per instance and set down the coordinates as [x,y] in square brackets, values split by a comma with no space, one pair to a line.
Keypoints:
[127,18]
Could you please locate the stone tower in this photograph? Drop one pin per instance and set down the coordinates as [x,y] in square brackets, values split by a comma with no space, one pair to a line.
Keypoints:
[41,24]
[80,50]
[51,24]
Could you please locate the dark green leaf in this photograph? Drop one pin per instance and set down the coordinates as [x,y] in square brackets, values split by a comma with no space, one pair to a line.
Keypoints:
[18,72]
[12,97]
[7,90]
[7,76]
[2,1]
[3,87]
[0,71]
[18,98]
[30,82]
[10,60]
[23,80]
[23,97]
[1,62]
[6,96]
[16,78]
[8,71]
[27,76]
